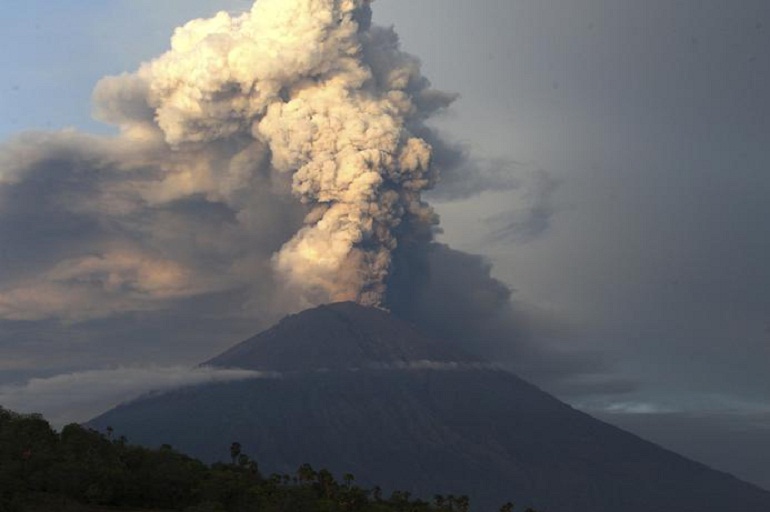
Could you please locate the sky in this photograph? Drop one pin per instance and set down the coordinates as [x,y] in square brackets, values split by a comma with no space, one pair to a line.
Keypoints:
[622,155]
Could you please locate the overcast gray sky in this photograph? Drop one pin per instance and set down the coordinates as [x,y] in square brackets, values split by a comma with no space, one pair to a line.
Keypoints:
[638,131]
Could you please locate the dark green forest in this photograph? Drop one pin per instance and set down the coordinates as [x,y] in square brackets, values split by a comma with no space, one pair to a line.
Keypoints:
[81,470]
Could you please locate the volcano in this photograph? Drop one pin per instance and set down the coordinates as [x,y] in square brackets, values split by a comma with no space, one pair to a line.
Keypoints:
[358,390]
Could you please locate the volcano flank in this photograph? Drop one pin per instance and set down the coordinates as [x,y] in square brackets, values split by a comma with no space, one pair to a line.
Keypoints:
[359,390]
[339,336]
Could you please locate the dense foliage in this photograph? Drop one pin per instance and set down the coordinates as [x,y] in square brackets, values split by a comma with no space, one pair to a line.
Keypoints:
[81,470]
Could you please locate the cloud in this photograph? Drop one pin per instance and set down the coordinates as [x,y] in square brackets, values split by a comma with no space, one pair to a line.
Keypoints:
[78,396]
[722,436]
[252,178]
[100,285]
[243,161]
[453,296]
[532,210]
[460,175]
[336,123]
[636,408]
[96,226]
[706,404]
[426,364]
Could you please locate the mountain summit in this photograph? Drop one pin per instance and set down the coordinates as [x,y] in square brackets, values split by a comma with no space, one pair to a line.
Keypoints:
[356,389]
[339,336]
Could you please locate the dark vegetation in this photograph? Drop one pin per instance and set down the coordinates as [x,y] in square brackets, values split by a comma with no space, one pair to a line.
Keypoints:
[82,470]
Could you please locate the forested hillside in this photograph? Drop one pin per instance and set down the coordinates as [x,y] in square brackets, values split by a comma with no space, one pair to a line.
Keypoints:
[81,470]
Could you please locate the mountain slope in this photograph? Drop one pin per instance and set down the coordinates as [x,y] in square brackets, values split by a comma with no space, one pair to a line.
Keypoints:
[336,336]
[362,391]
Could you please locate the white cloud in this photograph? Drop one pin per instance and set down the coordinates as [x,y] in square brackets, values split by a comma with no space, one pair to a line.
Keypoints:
[637,408]
[79,396]
[704,404]
[426,364]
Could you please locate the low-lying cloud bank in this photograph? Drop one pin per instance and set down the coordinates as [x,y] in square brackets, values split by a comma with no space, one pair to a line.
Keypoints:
[731,436]
[79,396]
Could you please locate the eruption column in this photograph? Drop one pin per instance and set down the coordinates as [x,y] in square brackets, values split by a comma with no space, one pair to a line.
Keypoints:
[335,102]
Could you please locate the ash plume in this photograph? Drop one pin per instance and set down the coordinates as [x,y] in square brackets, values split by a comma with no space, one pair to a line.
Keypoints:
[312,91]
[272,152]
[266,163]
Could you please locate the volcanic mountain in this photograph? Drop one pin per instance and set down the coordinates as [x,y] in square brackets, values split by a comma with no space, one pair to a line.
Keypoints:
[358,390]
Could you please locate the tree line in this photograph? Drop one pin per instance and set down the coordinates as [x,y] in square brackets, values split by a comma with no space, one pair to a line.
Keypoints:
[82,470]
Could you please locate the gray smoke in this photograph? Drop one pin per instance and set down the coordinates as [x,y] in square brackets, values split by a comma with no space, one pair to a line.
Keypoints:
[266,163]
[276,146]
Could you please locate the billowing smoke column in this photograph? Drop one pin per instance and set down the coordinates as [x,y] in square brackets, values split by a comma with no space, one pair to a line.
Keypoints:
[266,163]
[334,101]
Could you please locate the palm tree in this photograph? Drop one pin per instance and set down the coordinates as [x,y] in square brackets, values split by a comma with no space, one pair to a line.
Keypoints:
[327,483]
[235,451]
[305,473]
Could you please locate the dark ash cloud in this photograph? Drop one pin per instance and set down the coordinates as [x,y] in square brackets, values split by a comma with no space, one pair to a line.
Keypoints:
[532,212]
[453,296]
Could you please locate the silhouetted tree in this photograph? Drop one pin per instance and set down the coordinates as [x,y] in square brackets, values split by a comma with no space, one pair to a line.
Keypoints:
[507,507]
[235,451]
[80,469]
[306,474]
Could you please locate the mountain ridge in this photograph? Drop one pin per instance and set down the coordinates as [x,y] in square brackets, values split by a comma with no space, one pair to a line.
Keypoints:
[463,428]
